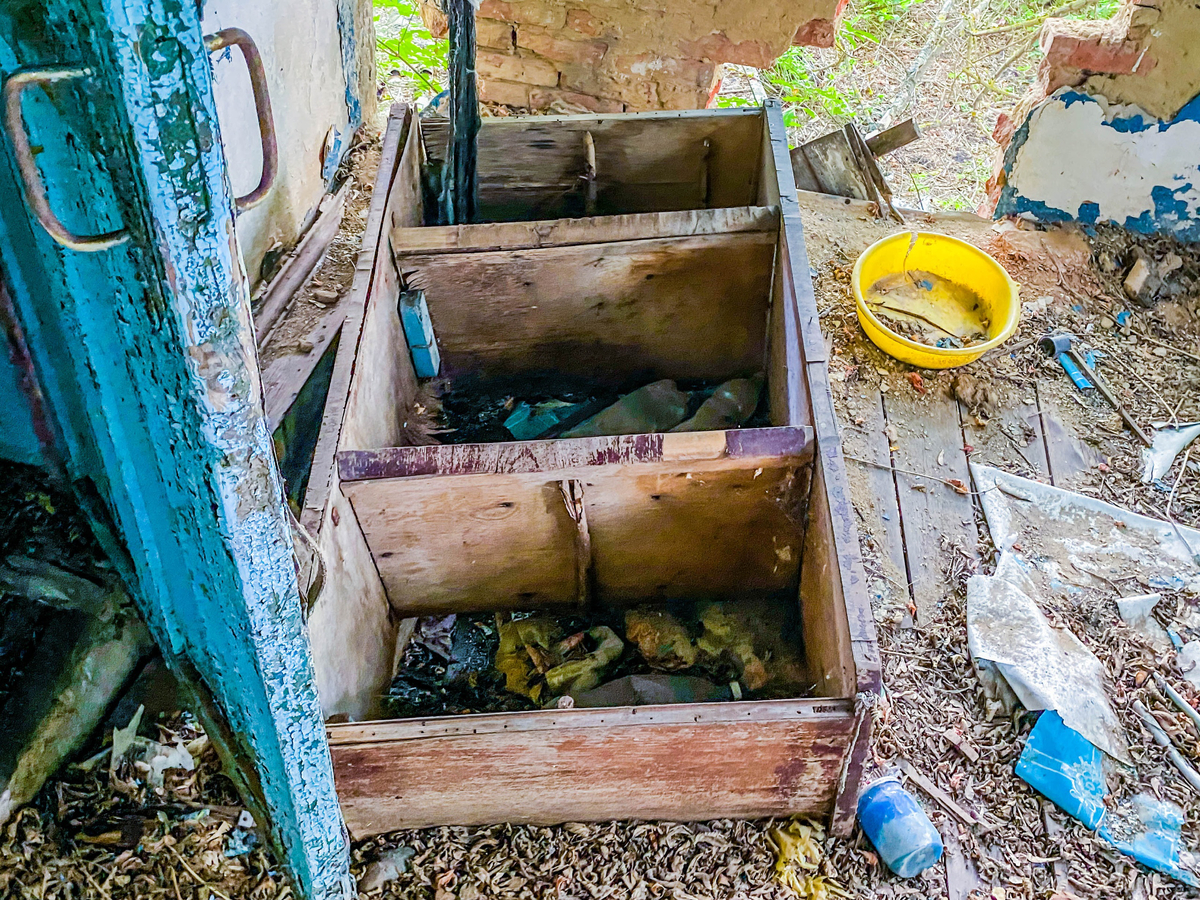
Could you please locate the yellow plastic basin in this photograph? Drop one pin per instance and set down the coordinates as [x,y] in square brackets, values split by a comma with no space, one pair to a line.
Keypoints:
[955,261]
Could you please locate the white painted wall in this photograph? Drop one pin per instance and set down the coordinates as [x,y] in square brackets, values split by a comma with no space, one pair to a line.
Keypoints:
[1084,159]
[301,50]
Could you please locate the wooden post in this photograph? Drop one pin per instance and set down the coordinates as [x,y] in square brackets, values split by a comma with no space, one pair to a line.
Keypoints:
[145,352]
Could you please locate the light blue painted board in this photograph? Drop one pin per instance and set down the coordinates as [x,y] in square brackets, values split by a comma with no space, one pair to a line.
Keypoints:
[145,353]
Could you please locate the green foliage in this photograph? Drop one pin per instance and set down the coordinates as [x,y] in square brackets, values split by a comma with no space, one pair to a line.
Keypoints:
[412,52]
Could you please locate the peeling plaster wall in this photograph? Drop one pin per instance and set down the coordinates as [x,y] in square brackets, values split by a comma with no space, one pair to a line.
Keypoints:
[1078,157]
[302,44]
[615,55]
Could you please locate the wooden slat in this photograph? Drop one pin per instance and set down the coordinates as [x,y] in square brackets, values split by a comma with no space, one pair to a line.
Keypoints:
[284,378]
[878,504]
[930,512]
[532,167]
[517,457]
[1067,455]
[595,230]
[321,479]
[677,529]
[695,761]
[686,307]
[849,654]
[300,264]
[893,138]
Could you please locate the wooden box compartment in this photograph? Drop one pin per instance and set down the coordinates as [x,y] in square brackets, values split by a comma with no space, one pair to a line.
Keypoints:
[684,292]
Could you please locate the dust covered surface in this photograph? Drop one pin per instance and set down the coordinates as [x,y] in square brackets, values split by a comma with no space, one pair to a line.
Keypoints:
[99,835]
[1015,400]
[329,284]
[705,860]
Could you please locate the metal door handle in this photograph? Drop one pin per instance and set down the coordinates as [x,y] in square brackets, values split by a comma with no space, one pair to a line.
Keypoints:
[31,180]
[228,37]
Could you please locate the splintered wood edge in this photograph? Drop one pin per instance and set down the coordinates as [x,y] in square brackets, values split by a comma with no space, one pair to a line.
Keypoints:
[772,446]
[389,731]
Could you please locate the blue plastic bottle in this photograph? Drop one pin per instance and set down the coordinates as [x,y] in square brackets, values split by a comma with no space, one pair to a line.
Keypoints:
[898,828]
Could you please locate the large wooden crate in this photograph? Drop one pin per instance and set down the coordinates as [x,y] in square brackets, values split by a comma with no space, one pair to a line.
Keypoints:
[693,266]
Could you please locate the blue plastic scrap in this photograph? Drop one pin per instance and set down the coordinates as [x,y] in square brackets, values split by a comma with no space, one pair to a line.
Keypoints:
[1064,767]
[418,331]
[1124,317]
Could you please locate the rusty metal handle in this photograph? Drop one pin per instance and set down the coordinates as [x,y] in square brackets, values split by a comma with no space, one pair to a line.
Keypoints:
[229,37]
[31,180]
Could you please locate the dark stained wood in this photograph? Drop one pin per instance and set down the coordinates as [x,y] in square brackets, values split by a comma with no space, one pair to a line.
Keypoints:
[286,375]
[596,230]
[531,167]
[682,763]
[884,142]
[685,307]
[569,453]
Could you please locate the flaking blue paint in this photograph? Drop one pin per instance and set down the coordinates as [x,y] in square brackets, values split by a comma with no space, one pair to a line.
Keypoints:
[146,353]
[1171,213]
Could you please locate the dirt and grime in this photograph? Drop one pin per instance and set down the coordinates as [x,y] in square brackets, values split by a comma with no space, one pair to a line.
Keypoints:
[506,662]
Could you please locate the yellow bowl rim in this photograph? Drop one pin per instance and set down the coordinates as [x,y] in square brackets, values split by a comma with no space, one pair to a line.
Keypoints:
[1010,326]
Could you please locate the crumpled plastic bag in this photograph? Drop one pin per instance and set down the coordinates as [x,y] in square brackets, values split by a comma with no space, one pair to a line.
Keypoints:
[798,854]
[661,639]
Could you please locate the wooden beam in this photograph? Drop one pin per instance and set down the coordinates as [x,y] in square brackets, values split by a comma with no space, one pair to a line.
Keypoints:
[696,760]
[301,263]
[884,142]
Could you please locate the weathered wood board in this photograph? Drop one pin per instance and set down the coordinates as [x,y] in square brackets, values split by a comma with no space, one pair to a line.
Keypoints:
[533,168]
[698,761]
[706,515]
[681,307]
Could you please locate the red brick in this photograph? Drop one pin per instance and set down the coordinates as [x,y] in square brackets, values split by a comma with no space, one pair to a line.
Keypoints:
[584,22]
[528,70]
[718,48]
[525,12]
[495,34]
[814,33]
[1101,57]
[582,52]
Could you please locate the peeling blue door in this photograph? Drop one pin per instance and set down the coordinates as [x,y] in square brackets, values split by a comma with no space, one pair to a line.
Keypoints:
[142,346]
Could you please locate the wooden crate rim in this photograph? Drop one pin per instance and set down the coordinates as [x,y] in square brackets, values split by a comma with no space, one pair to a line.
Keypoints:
[391,730]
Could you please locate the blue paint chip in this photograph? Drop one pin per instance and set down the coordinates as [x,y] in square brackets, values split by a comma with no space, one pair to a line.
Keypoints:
[1089,212]
[418,332]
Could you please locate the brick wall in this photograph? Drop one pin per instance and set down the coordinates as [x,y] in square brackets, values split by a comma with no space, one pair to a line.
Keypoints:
[615,55]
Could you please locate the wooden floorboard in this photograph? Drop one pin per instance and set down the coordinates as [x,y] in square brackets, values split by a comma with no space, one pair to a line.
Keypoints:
[874,484]
[929,440]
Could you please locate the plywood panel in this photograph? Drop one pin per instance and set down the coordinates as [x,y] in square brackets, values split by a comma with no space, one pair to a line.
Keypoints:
[688,307]
[709,514]
[593,230]
[682,763]
[469,543]
[532,167]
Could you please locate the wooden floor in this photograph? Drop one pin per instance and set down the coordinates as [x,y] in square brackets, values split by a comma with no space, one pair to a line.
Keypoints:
[903,441]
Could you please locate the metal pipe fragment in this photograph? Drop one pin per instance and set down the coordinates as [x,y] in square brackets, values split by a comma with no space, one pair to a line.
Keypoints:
[1163,740]
[1178,699]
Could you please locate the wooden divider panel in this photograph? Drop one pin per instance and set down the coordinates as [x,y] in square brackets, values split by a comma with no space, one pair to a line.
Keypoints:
[681,763]
[489,526]
[682,307]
